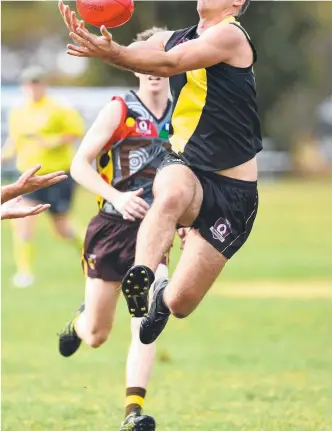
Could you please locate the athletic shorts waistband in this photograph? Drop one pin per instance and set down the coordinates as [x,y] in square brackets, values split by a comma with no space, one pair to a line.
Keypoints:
[239,184]
[117,218]
[231,182]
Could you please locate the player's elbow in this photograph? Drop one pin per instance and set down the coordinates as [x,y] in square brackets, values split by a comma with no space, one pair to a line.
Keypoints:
[76,168]
[165,72]
[169,67]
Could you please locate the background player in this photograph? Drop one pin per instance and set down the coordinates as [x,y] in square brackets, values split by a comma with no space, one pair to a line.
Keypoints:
[210,183]
[42,131]
[129,140]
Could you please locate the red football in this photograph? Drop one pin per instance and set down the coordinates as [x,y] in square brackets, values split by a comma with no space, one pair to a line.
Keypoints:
[110,13]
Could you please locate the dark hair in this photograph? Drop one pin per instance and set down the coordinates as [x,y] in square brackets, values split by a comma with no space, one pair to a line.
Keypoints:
[146,34]
[244,7]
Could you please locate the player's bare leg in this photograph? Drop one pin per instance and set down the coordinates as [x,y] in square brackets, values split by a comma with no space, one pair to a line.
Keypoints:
[198,268]
[140,362]
[178,197]
[64,228]
[93,321]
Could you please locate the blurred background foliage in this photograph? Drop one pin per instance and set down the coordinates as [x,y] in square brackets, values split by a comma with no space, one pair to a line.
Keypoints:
[293,39]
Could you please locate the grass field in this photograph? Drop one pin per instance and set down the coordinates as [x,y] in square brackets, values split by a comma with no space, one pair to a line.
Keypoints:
[256,356]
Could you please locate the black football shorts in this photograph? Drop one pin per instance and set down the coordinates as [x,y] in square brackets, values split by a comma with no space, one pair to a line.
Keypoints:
[228,209]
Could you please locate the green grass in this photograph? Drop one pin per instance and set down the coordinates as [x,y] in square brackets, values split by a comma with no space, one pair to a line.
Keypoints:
[237,364]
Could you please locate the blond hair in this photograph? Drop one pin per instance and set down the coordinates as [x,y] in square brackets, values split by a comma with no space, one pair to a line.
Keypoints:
[146,34]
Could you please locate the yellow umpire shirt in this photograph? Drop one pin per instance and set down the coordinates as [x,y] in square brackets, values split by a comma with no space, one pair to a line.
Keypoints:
[45,121]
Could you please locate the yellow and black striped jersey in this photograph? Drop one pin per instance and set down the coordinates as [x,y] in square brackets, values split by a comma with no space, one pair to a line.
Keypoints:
[215,123]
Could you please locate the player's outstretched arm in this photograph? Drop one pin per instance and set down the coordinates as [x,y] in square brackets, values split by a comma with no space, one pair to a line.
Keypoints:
[30,182]
[220,43]
[11,209]
[129,204]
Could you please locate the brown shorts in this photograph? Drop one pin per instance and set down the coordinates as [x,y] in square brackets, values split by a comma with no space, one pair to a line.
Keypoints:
[109,247]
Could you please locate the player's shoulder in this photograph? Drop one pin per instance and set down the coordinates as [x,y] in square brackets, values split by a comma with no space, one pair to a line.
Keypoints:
[230,32]
[115,106]
[178,36]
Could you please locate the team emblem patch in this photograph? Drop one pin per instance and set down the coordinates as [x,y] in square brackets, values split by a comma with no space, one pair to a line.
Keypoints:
[92,261]
[144,127]
[221,229]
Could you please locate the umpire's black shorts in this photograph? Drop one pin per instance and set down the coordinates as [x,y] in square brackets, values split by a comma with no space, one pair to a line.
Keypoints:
[59,196]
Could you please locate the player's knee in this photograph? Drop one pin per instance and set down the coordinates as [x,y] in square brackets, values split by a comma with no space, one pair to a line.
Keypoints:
[95,338]
[172,202]
[180,308]
[64,232]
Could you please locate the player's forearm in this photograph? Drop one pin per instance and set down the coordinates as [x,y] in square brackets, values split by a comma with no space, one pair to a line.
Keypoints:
[9,192]
[139,60]
[84,174]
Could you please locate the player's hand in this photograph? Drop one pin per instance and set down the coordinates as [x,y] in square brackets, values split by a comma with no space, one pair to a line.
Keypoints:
[183,232]
[30,182]
[130,205]
[90,45]
[69,17]
[11,210]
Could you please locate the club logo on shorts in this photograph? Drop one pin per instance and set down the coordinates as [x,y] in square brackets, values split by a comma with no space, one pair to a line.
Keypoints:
[92,261]
[221,229]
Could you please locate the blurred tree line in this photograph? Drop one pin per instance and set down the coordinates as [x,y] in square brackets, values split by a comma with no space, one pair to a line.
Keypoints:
[293,40]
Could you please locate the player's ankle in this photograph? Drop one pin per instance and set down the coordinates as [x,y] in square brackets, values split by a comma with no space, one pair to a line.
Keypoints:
[134,400]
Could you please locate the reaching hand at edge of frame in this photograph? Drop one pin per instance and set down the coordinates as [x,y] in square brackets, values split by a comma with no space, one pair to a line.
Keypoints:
[30,182]
[11,210]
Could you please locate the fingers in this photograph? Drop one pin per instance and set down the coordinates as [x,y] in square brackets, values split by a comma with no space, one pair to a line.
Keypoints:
[52,175]
[56,180]
[73,21]
[78,49]
[127,216]
[105,33]
[79,39]
[136,210]
[61,7]
[13,213]
[141,202]
[30,172]
[81,25]
[29,211]
[40,209]
[76,53]
[86,35]
[138,192]
[67,18]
